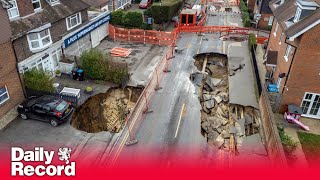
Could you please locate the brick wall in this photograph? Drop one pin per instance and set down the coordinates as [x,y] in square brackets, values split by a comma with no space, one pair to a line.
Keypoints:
[25,7]
[57,30]
[305,70]
[264,20]
[251,4]
[10,78]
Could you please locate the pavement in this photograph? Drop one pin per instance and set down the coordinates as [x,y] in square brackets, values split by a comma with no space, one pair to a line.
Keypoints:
[141,62]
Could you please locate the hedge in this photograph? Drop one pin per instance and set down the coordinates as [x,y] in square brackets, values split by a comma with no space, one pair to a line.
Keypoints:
[117,17]
[245,14]
[99,66]
[133,19]
[165,11]
[38,80]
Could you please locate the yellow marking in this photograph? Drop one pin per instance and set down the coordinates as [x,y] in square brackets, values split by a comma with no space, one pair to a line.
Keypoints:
[130,127]
[181,113]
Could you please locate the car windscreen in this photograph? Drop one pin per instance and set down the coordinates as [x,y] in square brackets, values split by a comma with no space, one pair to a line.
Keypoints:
[61,106]
[144,1]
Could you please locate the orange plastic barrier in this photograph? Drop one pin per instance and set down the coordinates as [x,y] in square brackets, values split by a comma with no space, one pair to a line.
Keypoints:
[120,52]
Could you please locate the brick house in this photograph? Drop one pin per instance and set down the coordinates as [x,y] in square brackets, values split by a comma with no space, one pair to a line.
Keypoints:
[264,13]
[11,93]
[251,4]
[293,53]
[50,34]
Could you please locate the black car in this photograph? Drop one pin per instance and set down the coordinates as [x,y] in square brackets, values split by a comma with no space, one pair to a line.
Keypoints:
[46,108]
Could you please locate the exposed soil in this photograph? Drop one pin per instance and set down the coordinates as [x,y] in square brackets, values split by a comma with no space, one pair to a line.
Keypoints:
[222,124]
[105,111]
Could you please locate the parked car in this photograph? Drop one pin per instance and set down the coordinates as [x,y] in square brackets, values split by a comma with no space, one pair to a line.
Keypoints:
[144,4]
[46,108]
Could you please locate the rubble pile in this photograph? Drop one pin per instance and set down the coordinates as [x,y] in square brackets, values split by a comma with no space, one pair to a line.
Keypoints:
[223,125]
[105,111]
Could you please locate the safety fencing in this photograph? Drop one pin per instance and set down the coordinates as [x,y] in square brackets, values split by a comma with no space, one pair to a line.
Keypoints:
[169,38]
[141,109]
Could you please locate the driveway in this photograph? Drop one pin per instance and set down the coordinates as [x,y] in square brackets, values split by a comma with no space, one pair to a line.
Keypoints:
[31,133]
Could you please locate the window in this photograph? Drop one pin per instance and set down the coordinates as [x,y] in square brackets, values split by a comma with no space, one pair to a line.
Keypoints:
[4,95]
[287,53]
[13,11]
[270,20]
[73,21]
[311,104]
[36,4]
[40,40]
[276,29]
[297,16]
[53,2]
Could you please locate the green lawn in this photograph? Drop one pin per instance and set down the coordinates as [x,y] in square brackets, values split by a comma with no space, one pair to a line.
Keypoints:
[311,147]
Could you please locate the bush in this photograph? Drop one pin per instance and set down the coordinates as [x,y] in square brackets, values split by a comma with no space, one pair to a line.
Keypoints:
[146,26]
[133,19]
[117,17]
[147,12]
[288,143]
[252,40]
[166,11]
[38,80]
[100,67]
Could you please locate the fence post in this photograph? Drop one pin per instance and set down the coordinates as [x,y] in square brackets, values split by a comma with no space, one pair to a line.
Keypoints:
[146,110]
[167,65]
[158,85]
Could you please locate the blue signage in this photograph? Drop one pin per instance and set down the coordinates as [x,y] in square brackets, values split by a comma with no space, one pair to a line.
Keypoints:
[74,38]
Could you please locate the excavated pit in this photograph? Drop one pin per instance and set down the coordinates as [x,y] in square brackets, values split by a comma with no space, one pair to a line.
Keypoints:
[223,125]
[106,111]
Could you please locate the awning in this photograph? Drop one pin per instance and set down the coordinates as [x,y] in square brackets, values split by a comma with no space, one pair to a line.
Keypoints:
[272,58]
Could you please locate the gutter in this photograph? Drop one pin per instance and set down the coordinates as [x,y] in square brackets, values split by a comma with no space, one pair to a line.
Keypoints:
[294,54]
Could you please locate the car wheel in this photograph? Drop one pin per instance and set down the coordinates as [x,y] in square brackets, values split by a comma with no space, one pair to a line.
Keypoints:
[23,116]
[54,122]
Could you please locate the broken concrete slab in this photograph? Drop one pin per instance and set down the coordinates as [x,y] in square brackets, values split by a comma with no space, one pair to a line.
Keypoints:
[240,127]
[213,135]
[232,129]
[218,99]
[251,145]
[248,119]
[225,134]
[207,97]
[196,78]
[212,82]
[219,141]
[209,104]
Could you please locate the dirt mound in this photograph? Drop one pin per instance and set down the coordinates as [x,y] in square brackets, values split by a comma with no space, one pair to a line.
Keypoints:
[105,111]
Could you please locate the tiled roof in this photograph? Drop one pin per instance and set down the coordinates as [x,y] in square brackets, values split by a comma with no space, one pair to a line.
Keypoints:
[49,14]
[287,11]
[96,3]
[5,31]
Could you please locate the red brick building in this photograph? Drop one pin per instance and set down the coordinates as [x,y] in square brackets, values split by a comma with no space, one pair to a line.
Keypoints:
[264,13]
[11,93]
[294,45]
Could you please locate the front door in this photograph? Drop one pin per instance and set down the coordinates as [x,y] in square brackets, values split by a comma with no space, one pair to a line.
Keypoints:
[310,105]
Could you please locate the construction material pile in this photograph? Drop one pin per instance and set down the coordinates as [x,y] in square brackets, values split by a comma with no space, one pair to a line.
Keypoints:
[105,111]
[120,52]
[224,125]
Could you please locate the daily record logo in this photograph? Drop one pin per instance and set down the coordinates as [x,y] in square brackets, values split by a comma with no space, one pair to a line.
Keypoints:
[39,155]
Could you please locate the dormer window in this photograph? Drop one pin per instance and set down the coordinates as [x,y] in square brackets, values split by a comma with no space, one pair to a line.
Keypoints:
[39,40]
[36,5]
[13,12]
[298,14]
[53,2]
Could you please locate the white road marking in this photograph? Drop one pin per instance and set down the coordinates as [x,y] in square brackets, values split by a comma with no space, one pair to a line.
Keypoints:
[179,120]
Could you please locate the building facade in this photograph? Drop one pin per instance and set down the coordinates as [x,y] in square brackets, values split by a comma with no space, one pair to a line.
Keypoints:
[263,14]
[11,93]
[40,28]
[295,39]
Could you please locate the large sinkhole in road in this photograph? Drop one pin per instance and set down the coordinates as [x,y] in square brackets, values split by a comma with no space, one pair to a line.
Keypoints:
[106,111]
[213,88]
[223,125]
